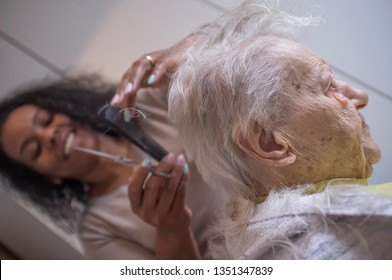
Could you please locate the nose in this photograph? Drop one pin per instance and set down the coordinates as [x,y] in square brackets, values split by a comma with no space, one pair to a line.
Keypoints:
[357,97]
[48,136]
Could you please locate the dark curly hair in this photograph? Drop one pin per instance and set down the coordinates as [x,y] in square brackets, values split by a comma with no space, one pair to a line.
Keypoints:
[78,98]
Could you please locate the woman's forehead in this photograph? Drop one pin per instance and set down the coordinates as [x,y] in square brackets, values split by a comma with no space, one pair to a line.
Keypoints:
[296,54]
[23,112]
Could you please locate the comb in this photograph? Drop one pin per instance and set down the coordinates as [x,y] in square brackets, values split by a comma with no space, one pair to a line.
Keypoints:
[130,129]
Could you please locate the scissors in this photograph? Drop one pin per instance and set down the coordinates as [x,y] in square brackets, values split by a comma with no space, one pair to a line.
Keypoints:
[121,160]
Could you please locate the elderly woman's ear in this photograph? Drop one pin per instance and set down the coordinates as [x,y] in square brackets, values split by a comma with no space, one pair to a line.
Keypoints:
[272,149]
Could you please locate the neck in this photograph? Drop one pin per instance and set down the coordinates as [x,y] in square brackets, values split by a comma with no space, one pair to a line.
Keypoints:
[302,171]
[283,177]
[320,186]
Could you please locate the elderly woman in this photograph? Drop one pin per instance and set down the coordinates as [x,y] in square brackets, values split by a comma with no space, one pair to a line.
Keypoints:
[264,117]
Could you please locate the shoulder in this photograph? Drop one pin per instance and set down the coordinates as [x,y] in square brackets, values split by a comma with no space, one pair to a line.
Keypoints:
[336,224]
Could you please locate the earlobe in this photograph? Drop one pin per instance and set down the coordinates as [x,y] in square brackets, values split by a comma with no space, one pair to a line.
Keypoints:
[271,149]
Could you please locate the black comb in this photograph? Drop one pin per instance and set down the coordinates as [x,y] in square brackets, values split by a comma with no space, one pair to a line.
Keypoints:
[114,117]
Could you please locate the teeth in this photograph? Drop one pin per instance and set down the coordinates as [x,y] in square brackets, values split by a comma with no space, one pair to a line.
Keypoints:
[68,143]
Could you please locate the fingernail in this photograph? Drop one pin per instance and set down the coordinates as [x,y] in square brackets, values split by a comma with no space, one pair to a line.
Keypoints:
[128,87]
[151,79]
[169,158]
[127,115]
[180,160]
[146,162]
[115,99]
[186,168]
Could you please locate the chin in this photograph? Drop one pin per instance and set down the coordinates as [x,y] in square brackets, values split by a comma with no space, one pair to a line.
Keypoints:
[372,154]
[371,150]
[368,170]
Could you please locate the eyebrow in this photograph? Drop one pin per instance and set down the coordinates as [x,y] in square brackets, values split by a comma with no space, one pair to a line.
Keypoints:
[25,143]
[36,115]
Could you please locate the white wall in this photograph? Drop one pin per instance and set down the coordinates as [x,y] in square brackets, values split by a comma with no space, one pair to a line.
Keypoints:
[44,38]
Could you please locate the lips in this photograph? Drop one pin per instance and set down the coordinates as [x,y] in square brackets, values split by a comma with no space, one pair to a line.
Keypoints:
[364,125]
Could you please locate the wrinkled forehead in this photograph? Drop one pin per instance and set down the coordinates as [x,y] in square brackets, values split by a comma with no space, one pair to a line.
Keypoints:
[290,48]
[302,64]
[297,52]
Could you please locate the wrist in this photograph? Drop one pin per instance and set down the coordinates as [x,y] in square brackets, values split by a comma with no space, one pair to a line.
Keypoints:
[176,244]
[173,232]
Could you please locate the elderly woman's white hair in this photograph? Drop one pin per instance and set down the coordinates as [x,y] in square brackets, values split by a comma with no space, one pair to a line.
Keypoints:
[225,72]
[239,81]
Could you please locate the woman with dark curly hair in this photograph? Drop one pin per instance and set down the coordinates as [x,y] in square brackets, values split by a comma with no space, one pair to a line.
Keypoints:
[39,129]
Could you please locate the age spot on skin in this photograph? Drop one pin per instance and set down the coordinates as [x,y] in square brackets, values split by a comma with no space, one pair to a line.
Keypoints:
[297,86]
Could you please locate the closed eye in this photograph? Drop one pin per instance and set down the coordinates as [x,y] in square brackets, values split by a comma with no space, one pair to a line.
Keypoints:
[331,85]
[43,117]
[48,119]
[31,149]
[37,151]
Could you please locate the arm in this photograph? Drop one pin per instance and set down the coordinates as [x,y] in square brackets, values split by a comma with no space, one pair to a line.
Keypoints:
[161,203]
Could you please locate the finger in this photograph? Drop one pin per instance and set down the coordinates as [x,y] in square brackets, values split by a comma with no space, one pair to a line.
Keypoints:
[179,200]
[130,83]
[125,96]
[135,186]
[141,73]
[150,60]
[155,183]
[169,191]
[160,71]
[122,86]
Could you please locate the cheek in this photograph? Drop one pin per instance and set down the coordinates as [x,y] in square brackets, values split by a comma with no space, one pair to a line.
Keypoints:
[46,164]
[371,149]
[10,142]
[323,136]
